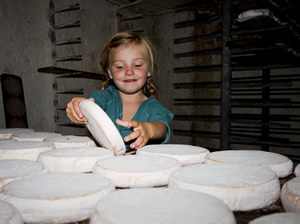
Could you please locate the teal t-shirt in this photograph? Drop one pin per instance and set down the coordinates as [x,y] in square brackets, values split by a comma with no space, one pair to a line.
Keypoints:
[149,111]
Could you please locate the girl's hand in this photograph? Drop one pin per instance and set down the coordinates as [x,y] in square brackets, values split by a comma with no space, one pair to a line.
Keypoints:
[73,110]
[143,132]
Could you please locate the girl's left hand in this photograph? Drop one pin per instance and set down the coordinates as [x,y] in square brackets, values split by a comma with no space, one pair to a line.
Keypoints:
[141,132]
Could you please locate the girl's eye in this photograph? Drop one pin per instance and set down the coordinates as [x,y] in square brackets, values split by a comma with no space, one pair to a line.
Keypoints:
[119,67]
[139,65]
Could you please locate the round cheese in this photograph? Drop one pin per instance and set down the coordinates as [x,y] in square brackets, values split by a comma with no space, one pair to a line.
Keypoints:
[161,205]
[297,171]
[34,136]
[137,170]
[280,164]
[278,218]
[290,195]
[241,187]
[185,154]
[102,127]
[78,159]
[23,150]
[8,132]
[9,214]
[56,197]
[70,141]
[17,168]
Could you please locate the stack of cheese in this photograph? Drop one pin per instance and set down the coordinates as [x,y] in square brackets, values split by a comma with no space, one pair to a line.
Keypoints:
[137,170]
[69,141]
[241,187]
[56,197]
[186,154]
[161,205]
[77,159]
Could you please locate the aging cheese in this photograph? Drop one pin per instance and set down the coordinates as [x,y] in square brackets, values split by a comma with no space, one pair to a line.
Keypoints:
[102,127]
[7,132]
[23,150]
[9,214]
[241,187]
[78,159]
[70,141]
[185,154]
[290,195]
[161,205]
[297,171]
[280,164]
[56,197]
[34,136]
[17,168]
[137,170]
[278,218]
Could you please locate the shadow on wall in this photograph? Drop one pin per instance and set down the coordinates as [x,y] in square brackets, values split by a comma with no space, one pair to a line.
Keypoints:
[13,101]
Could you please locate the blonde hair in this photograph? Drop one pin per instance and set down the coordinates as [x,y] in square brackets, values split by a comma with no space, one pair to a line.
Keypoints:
[125,38]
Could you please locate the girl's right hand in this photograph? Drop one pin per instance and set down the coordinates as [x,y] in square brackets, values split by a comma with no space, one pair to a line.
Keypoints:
[73,110]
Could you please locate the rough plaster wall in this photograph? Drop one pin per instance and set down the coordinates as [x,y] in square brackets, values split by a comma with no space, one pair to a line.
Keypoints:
[25,47]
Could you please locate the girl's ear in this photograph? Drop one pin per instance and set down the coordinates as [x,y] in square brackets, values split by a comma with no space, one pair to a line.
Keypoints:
[149,74]
[109,74]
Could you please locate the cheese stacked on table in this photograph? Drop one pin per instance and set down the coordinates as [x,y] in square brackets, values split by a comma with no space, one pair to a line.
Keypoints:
[69,141]
[241,187]
[290,195]
[56,197]
[78,159]
[280,164]
[137,170]
[185,154]
[161,205]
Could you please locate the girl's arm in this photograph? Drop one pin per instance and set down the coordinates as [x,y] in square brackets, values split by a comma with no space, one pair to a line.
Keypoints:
[143,132]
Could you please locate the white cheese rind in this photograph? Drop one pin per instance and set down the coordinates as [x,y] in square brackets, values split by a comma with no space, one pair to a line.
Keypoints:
[8,132]
[290,195]
[161,206]
[70,141]
[297,171]
[280,164]
[57,197]
[186,154]
[137,170]
[34,136]
[278,218]
[78,159]
[23,150]
[102,127]
[14,169]
[241,187]
[9,214]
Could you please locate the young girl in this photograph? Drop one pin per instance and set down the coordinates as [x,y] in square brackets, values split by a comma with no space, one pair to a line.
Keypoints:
[127,94]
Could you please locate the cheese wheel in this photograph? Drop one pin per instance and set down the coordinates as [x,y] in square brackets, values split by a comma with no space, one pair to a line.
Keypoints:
[161,205]
[78,159]
[7,132]
[102,127]
[9,214]
[185,154]
[70,141]
[23,150]
[17,168]
[241,187]
[278,218]
[6,140]
[297,171]
[34,136]
[280,164]
[290,195]
[56,197]
[137,170]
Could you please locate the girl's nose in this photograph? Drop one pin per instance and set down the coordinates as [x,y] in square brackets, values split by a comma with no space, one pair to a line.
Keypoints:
[129,71]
